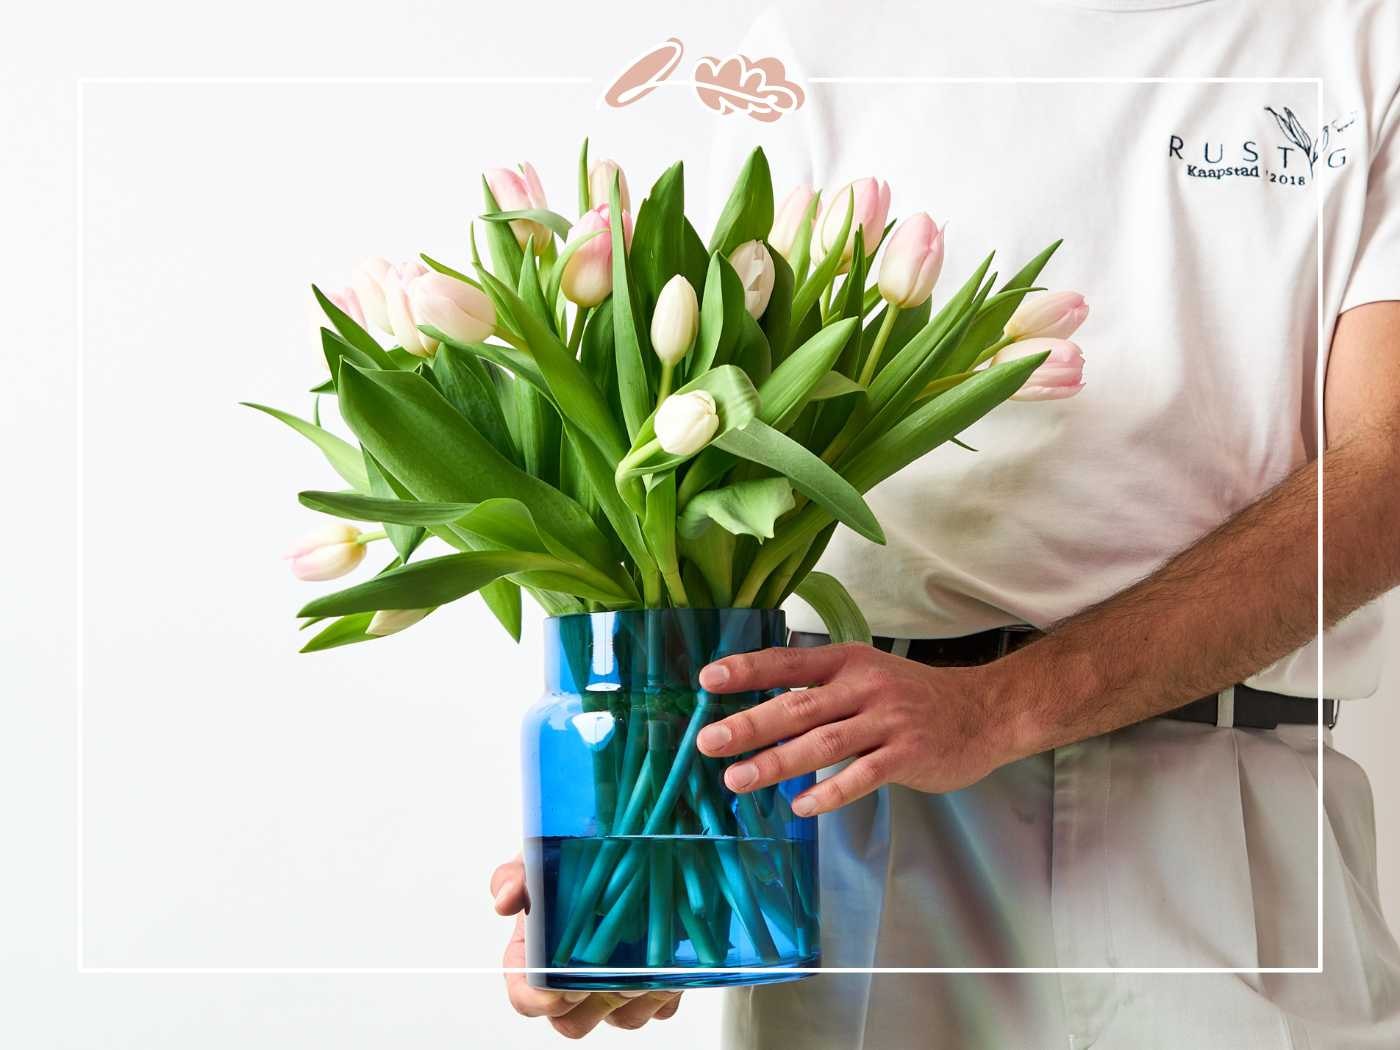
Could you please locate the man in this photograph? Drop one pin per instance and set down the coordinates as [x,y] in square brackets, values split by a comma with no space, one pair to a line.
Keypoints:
[1136,785]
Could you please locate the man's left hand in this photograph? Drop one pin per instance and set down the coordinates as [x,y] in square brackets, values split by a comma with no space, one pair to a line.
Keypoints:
[929,728]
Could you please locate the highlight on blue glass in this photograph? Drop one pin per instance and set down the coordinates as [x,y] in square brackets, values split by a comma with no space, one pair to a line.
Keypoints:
[636,853]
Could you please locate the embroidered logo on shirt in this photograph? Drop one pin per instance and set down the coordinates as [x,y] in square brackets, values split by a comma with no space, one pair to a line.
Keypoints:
[1292,157]
[758,88]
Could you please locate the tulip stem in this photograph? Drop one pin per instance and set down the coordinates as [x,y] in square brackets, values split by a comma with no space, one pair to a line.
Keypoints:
[664,390]
[576,336]
[881,338]
[370,537]
[991,351]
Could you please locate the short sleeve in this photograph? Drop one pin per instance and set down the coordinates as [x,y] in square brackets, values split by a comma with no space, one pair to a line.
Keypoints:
[1375,272]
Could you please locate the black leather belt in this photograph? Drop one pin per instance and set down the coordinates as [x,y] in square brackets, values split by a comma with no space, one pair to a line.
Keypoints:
[1244,706]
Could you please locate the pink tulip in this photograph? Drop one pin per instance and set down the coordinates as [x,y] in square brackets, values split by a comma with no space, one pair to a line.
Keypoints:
[786,223]
[521,192]
[871,207]
[1054,315]
[1062,374]
[600,180]
[397,281]
[330,551]
[453,307]
[913,259]
[349,303]
[587,277]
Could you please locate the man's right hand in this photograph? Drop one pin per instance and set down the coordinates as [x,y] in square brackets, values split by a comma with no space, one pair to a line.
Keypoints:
[573,1014]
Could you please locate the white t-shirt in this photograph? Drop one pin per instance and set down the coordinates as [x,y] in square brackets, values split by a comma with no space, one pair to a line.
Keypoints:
[1190,216]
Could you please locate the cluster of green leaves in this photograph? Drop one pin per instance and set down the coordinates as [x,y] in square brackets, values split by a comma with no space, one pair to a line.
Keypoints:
[531,454]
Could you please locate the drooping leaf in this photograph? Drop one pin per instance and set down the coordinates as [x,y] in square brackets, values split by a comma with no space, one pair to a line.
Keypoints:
[838,610]
[550,220]
[761,444]
[745,508]
[348,630]
[343,457]
[434,581]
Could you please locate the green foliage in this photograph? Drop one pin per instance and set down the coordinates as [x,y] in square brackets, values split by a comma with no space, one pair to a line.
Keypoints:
[533,456]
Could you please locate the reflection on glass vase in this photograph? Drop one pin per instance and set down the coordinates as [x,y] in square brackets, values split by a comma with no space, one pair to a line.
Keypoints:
[636,854]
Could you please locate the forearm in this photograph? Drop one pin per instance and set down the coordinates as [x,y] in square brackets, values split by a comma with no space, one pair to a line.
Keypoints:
[1226,607]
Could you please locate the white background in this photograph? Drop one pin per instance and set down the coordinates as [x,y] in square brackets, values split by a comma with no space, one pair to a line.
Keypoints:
[246,806]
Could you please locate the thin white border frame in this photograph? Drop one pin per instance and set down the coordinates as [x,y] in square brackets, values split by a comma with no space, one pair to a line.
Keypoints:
[79,557]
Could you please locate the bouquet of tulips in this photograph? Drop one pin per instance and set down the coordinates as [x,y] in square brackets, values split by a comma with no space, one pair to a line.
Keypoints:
[616,413]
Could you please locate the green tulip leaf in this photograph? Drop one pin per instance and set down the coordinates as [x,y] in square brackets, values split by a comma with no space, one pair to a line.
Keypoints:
[745,508]
[343,457]
[786,392]
[811,289]
[550,220]
[721,317]
[748,213]
[631,341]
[760,443]
[838,610]
[351,331]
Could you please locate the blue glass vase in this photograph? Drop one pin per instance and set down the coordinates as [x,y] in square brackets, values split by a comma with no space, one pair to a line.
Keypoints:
[636,854]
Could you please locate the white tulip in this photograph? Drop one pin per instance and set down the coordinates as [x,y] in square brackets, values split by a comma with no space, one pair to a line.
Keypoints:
[453,307]
[685,422]
[391,621]
[754,266]
[675,321]
[367,280]
[396,303]
[329,552]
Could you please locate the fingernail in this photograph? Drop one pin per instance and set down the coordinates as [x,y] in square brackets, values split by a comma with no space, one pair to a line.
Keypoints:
[575,997]
[742,775]
[632,995]
[714,737]
[803,806]
[501,896]
[714,676]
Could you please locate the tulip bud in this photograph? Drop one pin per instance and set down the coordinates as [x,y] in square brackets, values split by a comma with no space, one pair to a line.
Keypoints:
[754,266]
[788,221]
[349,303]
[587,277]
[1062,374]
[453,307]
[871,207]
[392,621]
[600,180]
[367,279]
[330,551]
[396,303]
[912,262]
[675,321]
[1054,315]
[520,193]
[685,423]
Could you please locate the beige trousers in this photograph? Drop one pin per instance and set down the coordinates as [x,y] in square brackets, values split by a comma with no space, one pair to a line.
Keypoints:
[1168,844]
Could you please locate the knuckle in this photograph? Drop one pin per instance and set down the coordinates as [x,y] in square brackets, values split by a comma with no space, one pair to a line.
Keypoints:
[830,743]
[871,769]
[741,725]
[569,1029]
[800,703]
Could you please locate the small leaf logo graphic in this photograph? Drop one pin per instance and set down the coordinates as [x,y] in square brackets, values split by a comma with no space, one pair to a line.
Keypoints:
[1294,131]
[742,85]
[641,78]
[738,84]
